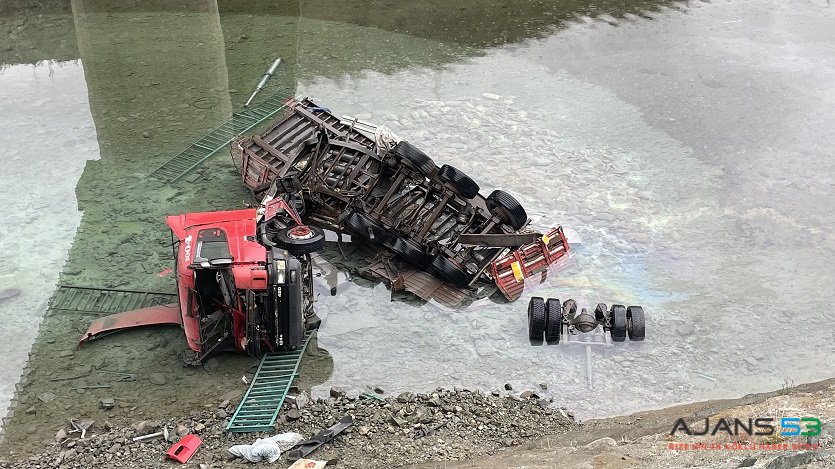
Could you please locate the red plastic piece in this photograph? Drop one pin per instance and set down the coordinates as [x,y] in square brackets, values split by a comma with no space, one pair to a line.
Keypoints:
[530,260]
[184,449]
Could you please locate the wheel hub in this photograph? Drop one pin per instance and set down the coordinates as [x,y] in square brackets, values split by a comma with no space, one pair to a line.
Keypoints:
[300,232]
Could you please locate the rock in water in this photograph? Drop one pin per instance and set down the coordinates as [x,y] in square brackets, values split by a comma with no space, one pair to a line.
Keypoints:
[9,293]
[157,378]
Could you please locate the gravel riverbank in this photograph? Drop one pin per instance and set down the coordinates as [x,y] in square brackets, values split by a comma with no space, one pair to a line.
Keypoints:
[387,432]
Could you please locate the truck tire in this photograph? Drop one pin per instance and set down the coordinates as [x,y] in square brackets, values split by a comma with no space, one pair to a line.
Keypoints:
[618,323]
[460,182]
[300,239]
[507,208]
[636,325]
[419,159]
[553,322]
[536,320]
[366,227]
[450,271]
[410,251]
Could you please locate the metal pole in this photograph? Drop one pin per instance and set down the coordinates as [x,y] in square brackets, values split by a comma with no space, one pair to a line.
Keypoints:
[263,81]
[588,364]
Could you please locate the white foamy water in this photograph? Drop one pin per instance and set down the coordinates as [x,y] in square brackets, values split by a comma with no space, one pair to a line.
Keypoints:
[48,135]
[723,278]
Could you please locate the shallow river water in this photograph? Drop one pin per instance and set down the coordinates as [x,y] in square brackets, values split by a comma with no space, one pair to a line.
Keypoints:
[685,146]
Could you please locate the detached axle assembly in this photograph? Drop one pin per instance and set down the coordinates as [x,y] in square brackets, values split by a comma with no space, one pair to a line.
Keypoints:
[552,320]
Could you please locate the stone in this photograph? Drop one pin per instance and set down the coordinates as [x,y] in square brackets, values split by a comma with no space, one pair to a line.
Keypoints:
[434,401]
[66,353]
[223,404]
[337,392]
[69,455]
[601,445]
[157,378]
[747,462]
[60,435]
[199,427]
[543,386]
[302,400]
[182,430]
[400,422]
[685,329]
[211,365]
[293,414]
[107,403]
[364,430]
[221,414]
[526,394]
[508,387]
[31,410]
[788,461]
[115,448]
[144,427]
[406,397]
[379,390]
[424,415]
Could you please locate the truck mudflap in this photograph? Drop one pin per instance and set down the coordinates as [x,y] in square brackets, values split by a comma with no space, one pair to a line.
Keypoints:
[510,271]
[155,315]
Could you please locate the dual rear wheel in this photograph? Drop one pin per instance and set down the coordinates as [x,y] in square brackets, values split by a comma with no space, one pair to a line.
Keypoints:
[545,319]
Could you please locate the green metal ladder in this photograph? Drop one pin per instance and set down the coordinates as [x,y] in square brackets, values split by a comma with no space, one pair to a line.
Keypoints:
[195,154]
[259,407]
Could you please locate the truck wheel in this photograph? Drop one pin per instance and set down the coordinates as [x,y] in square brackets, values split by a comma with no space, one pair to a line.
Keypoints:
[553,323]
[300,239]
[410,251]
[419,159]
[536,320]
[635,323]
[364,226]
[507,208]
[459,181]
[618,323]
[450,271]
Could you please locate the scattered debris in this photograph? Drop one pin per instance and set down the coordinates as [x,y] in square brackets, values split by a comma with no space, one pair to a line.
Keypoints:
[151,436]
[308,446]
[266,449]
[308,464]
[184,449]
[81,426]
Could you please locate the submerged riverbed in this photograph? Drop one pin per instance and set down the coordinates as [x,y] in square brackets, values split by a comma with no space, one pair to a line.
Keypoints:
[684,145]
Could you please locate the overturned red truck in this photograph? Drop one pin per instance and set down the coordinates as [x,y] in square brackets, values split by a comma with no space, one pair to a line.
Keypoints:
[244,282]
